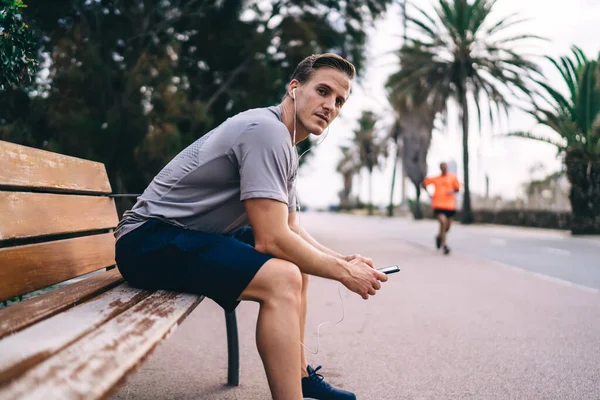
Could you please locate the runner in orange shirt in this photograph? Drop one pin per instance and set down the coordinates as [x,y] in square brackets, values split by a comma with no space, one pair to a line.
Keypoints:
[443,202]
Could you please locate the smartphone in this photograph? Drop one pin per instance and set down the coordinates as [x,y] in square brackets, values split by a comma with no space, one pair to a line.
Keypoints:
[389,270]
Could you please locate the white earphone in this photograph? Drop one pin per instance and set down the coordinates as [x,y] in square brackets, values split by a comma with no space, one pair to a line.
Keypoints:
[299,208]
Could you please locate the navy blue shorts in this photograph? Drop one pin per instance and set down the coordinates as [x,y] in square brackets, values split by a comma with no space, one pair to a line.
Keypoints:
[447,213]
[159,256]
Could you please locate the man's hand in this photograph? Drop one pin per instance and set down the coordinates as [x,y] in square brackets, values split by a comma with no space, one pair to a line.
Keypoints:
[363,279]
[366,260]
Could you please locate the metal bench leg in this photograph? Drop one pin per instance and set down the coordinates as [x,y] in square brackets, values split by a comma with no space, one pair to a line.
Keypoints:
[233,349]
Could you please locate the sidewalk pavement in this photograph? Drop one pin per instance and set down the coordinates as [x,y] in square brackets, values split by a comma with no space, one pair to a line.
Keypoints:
[450,327]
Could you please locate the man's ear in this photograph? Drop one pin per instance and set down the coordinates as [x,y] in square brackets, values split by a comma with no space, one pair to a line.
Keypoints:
[292,87]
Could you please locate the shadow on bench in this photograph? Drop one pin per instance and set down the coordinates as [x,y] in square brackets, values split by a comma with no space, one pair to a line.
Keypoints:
[80,340]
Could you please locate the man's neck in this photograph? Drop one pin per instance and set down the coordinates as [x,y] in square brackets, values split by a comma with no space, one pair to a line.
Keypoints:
[287,115]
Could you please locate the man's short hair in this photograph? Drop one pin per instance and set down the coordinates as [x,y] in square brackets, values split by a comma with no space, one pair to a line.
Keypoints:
[310,64]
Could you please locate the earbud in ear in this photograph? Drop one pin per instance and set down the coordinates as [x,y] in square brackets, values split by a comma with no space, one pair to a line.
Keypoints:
[294,93]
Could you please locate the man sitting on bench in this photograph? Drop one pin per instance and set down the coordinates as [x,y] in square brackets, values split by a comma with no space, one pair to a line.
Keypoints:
[220,220]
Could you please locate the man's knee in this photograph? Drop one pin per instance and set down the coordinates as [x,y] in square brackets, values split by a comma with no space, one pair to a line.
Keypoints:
[276,281]
[286,287]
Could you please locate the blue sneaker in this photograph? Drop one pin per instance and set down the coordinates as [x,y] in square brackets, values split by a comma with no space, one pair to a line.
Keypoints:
[315,387]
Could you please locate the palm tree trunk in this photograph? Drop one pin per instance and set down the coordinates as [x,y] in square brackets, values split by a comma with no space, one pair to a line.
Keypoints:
[403,194]
[360,187]
[417,211]
[370,192]
[583,172]
[390,211]
[467,212]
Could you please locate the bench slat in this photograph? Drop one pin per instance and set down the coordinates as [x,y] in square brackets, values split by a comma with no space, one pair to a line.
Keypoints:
[37,214]
[93,366]
[26,268]
[20,316]
[33,345]
[27,167]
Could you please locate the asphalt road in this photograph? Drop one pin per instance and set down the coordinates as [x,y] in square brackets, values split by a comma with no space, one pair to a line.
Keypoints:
[444,328]
[553,253]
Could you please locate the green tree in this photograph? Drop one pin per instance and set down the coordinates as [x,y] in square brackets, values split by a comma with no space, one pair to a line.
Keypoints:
[576,118]
[464,56]
[371,149]
[18,46]
[131,83]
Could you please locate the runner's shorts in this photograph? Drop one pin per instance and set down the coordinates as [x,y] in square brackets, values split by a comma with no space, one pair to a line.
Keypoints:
[447,213]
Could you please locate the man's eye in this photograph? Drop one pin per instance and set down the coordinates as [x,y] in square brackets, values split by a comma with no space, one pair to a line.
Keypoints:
[321,91]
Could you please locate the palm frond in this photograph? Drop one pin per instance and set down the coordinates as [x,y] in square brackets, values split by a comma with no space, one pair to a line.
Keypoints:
[479,12]
[579,55]
[533,136]
[589,98]
[427,16]
[505,23]
[425,29]
[560,102]
[519,37]
[568,73]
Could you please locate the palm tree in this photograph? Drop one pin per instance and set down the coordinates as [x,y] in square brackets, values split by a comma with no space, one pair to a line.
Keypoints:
[576,118]
[395,134]
[463,56]
[348,167]
[395,138]
[370,148]
[415,117]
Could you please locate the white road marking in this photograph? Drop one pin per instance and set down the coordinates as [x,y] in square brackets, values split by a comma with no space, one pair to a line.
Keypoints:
[558,252]
[546,277]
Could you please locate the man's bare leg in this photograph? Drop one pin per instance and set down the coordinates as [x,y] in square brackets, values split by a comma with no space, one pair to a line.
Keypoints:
[277,287]
[303,311]
[442,234]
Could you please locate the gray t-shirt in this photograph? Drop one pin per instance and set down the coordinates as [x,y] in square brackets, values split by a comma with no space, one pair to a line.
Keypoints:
[250,155]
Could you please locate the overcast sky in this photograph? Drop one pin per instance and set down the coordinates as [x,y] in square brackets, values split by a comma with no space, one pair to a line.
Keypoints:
[506,161]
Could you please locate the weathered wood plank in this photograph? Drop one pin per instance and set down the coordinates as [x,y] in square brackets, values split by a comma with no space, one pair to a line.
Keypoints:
[24,269]
[27,167]
[33,345]
[20,316]
[95,364]
[37,214]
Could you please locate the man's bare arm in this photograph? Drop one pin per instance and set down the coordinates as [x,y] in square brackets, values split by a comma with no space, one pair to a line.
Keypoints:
[294,224]
[306,236]
[273,235]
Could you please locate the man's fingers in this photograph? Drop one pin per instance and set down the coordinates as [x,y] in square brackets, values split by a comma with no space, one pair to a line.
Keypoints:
[381,276]
[369,262]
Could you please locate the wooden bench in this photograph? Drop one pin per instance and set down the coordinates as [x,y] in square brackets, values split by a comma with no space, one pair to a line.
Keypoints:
[81,340]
